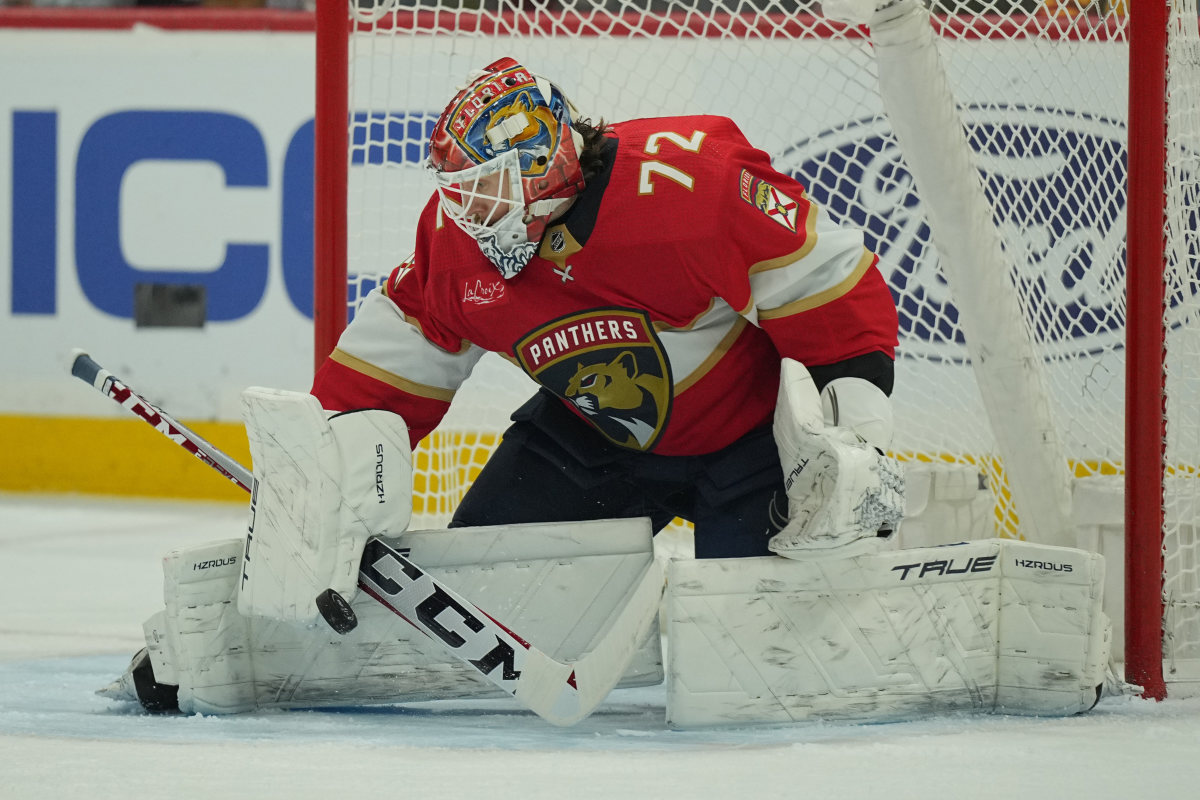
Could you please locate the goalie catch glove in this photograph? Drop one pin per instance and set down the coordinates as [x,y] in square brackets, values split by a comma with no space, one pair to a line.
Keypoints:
[324,484]
[845,494]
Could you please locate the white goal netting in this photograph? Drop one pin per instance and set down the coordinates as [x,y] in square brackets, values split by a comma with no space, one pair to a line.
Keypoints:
[1041,92]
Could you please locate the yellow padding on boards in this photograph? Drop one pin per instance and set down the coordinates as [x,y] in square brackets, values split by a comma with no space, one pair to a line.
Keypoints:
[115,457]
[126,457]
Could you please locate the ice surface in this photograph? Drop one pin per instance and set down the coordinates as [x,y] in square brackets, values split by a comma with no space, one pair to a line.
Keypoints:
[78,577]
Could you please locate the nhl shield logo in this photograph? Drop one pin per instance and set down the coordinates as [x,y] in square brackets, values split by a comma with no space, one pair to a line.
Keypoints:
[609,365]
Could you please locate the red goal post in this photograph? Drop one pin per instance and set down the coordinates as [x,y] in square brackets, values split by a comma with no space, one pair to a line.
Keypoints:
[996,168]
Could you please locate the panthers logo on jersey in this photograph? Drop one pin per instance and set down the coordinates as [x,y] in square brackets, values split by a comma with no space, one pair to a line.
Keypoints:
[608,364]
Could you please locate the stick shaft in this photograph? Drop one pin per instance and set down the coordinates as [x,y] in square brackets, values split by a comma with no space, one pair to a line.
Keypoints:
[88,371]
[550,688]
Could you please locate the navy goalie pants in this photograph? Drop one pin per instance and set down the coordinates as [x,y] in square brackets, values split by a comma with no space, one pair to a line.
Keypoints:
[553,467]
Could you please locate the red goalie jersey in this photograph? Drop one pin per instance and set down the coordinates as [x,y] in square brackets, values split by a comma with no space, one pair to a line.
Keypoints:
[657,309]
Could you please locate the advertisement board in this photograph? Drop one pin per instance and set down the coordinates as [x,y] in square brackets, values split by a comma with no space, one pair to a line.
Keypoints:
[156,209]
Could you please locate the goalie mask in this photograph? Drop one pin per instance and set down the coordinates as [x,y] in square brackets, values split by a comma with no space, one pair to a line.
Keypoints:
[505,160]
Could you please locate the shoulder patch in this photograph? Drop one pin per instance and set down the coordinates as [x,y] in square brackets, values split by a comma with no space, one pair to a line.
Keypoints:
[768,199]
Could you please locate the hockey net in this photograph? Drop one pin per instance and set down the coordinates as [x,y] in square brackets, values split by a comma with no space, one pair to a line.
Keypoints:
[1012,343]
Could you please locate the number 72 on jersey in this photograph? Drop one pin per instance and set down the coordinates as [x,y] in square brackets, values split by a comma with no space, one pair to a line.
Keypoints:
[650,169]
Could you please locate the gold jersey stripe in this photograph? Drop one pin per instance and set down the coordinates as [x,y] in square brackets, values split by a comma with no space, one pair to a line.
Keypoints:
[391,379]
[661,326]
[716,355]
[463,346]
[821,298]
[810,241]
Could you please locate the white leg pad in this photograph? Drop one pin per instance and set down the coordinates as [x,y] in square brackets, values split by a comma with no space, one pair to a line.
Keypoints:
[199,641]
[993,626]
[557,585]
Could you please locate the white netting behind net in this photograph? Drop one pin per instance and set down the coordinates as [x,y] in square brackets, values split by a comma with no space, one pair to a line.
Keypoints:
[1181,541]
[1042,92]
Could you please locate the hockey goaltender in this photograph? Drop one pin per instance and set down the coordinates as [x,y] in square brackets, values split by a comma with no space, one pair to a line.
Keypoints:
[709,345]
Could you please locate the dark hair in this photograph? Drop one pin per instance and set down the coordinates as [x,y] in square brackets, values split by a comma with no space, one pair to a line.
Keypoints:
[590,160]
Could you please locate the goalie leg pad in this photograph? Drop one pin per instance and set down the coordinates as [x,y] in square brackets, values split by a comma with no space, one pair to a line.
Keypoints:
[322,488]
[991,626]
[199,642]
[558,585]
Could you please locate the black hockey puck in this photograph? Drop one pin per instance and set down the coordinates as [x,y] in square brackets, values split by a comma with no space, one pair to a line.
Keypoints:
[336,611]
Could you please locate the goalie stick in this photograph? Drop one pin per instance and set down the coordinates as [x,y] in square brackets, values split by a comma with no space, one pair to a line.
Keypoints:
[83,367]
[562,693]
